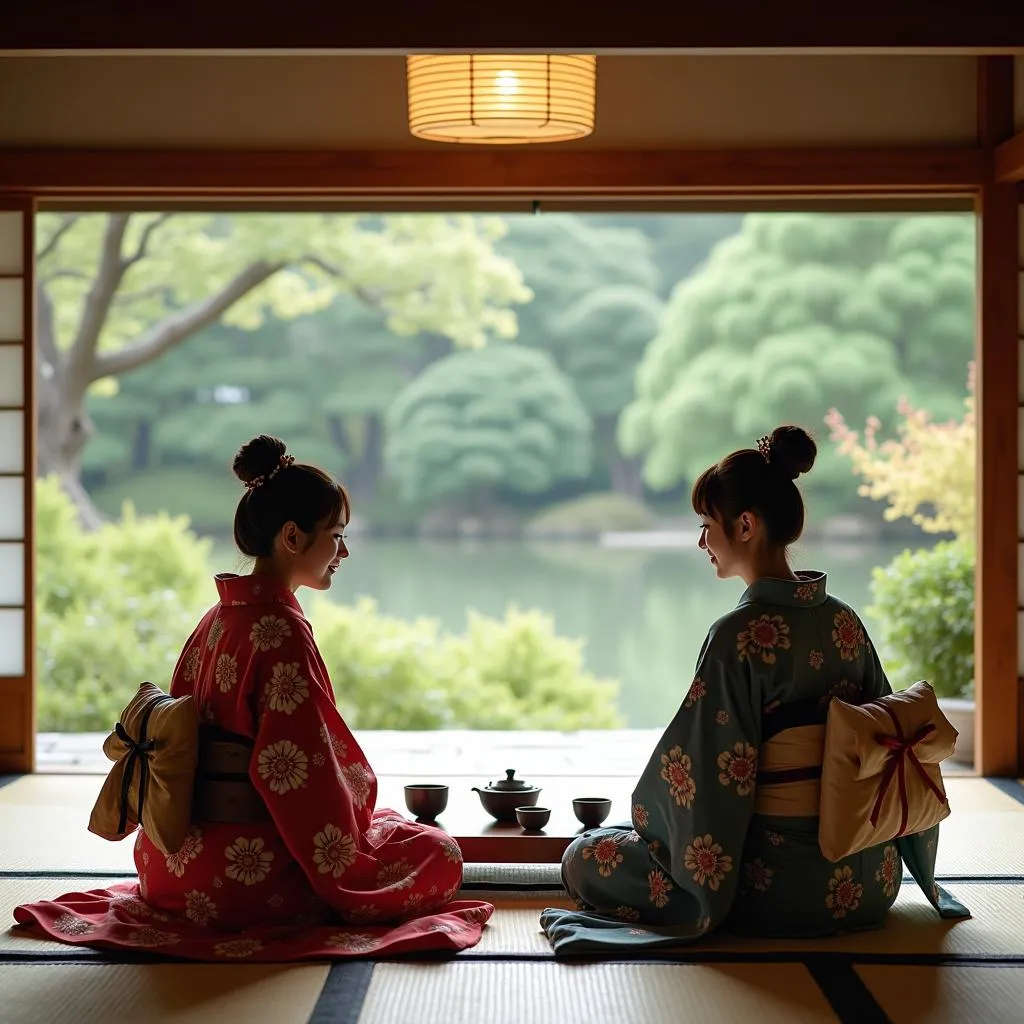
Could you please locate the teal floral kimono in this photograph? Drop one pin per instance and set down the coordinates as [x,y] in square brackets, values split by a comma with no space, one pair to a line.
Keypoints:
[702,849]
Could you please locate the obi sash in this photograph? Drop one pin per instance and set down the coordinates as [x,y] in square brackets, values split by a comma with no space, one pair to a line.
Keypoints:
[790,759]
[223,790]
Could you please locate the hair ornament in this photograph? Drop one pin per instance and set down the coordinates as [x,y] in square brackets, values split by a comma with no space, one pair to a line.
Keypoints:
[259,481]
[764,447]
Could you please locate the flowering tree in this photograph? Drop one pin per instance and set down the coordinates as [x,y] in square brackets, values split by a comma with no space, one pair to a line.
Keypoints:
[923,600]
[926,474]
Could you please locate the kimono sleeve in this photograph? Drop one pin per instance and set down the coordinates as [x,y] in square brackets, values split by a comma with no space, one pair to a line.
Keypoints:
[875,682]
[320,801]
[695,799]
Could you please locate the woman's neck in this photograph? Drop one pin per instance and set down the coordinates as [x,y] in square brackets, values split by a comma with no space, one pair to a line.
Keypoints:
[272,567]
[771,565]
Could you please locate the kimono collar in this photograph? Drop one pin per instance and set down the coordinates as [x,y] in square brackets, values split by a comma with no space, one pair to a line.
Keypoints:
[253,589]
[809,589]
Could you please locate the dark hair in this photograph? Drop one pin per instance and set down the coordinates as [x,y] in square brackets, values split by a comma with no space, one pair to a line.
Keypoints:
[288,491]
[765,484]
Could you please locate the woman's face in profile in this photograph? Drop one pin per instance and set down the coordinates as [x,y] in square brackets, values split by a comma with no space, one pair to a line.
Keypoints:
[315,565]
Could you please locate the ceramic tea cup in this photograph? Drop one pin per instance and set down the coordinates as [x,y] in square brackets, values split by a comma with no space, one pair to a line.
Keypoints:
[426,800]
[533,819]
[591,810]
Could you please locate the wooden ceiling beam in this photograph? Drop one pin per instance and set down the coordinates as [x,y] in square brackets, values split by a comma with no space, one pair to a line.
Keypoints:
[533,172]
[402,27]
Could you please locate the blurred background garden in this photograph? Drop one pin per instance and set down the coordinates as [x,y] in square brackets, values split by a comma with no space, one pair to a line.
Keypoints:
[519,406]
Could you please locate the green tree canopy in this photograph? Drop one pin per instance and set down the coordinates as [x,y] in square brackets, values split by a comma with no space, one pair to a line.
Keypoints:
[679,242]
[504,419]
[795,315]
[595,308]
[323,382]
[118,291]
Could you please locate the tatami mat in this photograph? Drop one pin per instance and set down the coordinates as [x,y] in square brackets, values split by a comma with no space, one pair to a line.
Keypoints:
[43,828]
[913,929]
[159,994]
[516,993]
[946,995]
[55,839]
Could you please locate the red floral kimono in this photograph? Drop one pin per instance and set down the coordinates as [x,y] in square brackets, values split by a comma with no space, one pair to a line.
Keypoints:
[328,875]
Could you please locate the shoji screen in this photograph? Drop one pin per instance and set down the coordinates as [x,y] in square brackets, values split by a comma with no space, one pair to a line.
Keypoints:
[16,474]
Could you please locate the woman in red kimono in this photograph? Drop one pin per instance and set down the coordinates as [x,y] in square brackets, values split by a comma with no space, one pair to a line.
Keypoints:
[302,865]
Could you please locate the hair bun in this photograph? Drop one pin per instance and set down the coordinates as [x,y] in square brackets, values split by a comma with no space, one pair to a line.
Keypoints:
[258,457]
[793,451]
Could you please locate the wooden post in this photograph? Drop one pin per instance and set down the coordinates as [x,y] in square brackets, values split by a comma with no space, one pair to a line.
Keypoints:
[998,698]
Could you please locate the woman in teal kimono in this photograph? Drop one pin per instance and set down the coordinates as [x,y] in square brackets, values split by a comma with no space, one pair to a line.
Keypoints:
[718,834]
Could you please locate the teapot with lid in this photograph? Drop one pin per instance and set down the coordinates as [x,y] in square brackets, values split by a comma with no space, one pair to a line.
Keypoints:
[500,799]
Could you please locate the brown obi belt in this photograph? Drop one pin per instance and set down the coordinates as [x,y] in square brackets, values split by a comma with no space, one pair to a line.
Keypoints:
[790,759]
[223,790]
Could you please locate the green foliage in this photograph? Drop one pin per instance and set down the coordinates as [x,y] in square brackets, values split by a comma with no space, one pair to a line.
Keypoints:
[924,603]
[590,515]
[797,314]
[679,243]
[207,497]
[503,419]
[113,608]
[128,291]
[423,272]
[595,303]
[927,475]
[514,673]
[116,606]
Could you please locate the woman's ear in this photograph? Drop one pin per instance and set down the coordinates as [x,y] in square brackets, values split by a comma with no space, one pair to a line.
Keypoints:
[289,538]
[746,523]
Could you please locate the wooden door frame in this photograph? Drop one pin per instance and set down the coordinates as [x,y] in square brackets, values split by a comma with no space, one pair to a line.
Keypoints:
[987,173]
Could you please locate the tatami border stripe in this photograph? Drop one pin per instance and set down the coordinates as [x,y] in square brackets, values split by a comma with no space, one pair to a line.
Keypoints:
[1011,787]
[851,1000]
[83,955]
[341,998]
[495,887]
[6,780]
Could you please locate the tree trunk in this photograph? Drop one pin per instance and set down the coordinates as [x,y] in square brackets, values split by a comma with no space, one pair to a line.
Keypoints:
[366,476]
[626,476]
[63,430]
[63,426]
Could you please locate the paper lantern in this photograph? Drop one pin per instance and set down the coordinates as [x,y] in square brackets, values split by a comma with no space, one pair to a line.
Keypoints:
[497,99]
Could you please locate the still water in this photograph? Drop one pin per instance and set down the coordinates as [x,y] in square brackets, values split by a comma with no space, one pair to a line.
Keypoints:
[643,614]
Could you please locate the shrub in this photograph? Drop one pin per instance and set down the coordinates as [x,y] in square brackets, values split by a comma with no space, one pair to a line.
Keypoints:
[590,515]
[514,673]
[116,606]
[924,604]
[927,475]
[113,608]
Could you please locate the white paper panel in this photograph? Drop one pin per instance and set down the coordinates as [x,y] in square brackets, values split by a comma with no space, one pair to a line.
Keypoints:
[1020,645]
[1020,304]
[12,443]
[11,251]
[1020,505]
[12,507]
[1018,90]
[12,642]
[12,574]
[12,380]
[12,302]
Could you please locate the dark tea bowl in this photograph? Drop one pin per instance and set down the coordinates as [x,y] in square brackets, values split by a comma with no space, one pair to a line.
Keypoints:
[591,810]
[533,819]
[426,800]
